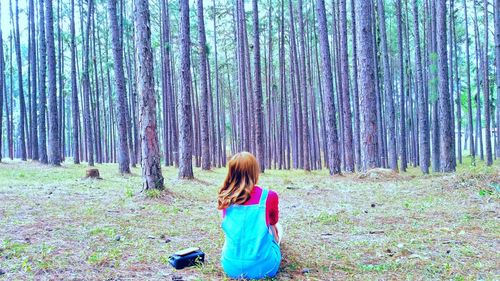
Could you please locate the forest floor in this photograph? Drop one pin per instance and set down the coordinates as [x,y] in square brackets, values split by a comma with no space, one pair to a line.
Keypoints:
[57,225]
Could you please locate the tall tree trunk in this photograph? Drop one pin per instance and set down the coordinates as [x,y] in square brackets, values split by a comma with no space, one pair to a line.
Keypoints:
[357,130]
[123,152]
[74,91]
[305,149]
[2,87]
[496,14]
[469,96]
[22,103]
[478,56]
[205,145]
[220,100]
[54,151]
[89,136]
[402,110]
[259,123]
[150,160]
[366,75]
[486,90]
[60,71]
[185,114]
[346,101]
[446,125]
[458,100]
[390,116]
[34,121]
[42,103]
[331,122]
[423,121]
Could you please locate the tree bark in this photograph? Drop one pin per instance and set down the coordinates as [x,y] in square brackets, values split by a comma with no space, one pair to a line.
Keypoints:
[469,96]
[42,103]
[89,135]
[22,103]
[2,87]
[486,90]
[445,123]
[150,152]
[423,121]
[346,101]
[357,130]
[331,122]
[33,69]
[123,152]
[185,114]
[205,144]
[54,151]
[259,123]
[402,112]
[366,78]
[496,14]
[74,91]
[390,116]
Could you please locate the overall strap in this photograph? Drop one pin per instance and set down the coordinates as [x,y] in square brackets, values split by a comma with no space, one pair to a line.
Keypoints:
[263,196]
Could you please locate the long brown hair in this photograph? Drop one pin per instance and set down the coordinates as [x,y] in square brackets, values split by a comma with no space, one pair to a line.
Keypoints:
[242,176]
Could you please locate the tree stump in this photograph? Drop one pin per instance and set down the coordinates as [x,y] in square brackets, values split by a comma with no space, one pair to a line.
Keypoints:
[93,173]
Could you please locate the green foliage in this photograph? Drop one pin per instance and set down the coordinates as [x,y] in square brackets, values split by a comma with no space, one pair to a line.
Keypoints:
[105,230]
[379,267]
[129,192]
[153,193]
[13,249]
[102,258]
[326,218]
[485,192]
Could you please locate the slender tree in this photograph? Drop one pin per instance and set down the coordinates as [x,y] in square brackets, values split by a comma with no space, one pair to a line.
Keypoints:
[2,81]
[306,147]
[445,122]
[22,103]
[346,101]
[205,145]
[150,151]
[259,123]
[123,156]
[89,134]
[42,103]
[327,80]
[33,79]
[366,75]
[357,130]
[390,115]
[54,151]
[496,15]
[184,103]
[469,96]
[402,103]
[75,108]
[423,121]
[486,90]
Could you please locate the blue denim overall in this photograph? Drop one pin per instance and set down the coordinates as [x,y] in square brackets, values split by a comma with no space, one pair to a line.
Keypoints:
[249,250]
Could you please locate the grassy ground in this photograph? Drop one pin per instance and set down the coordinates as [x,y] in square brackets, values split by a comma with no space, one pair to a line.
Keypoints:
[57,225]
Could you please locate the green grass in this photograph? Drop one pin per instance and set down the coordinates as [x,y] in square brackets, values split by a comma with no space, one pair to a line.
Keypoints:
[56,224]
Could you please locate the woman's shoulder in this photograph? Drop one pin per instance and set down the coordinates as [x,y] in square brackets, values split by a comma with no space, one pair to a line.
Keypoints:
[271,193]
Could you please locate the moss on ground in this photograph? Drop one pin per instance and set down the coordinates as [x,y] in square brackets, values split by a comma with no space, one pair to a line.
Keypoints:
[55,224]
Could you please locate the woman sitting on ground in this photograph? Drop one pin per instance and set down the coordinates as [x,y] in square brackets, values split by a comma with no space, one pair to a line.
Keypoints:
[250,222]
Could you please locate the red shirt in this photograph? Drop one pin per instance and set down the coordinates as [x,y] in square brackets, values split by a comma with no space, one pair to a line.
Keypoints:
[272,211]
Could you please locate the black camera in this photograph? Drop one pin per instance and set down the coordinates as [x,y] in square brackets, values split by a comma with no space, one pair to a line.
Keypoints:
[187,257]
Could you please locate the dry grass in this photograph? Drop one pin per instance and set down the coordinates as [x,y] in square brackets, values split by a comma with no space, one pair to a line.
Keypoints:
[57,225]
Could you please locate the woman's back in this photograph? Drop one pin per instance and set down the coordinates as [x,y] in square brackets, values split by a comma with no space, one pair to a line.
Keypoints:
[249,250]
